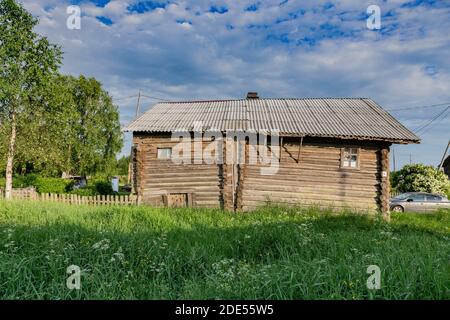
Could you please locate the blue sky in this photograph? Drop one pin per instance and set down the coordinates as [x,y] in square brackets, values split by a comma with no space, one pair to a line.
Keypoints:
[181,50]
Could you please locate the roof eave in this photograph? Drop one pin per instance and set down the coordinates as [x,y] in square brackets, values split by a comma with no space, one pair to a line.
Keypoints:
[298,135]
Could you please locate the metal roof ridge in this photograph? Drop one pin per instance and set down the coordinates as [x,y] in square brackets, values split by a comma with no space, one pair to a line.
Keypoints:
[245,99]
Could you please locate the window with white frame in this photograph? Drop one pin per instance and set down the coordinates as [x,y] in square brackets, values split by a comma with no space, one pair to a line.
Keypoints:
[164,153]
[350,158]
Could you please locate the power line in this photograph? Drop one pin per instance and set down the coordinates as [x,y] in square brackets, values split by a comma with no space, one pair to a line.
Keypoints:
[419,107]
[124,98]
[142,95]
[428,129]
[421,127]
[155,98]
[432,120]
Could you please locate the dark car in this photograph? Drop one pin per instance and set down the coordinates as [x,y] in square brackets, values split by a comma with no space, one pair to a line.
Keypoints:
[418,202]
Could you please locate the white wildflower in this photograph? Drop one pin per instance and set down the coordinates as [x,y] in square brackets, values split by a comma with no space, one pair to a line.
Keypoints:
[119,255]
[101,245]
[10,244]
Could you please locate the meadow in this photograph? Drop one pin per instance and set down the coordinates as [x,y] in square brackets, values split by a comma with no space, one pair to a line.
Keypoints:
[273,253]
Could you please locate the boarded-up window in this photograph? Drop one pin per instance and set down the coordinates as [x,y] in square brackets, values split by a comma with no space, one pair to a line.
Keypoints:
[350,158]
[177,200]
[164,153]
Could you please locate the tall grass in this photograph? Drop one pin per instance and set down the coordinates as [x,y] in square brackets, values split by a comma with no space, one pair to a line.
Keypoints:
[274,253]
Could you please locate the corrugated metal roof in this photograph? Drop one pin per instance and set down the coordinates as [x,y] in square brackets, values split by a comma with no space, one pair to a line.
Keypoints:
[358,118]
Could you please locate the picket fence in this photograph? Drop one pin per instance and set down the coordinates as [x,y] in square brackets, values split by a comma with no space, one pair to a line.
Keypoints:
[394,193]
[100,200]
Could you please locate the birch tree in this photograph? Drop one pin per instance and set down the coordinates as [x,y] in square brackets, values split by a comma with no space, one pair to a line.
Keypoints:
[27,61]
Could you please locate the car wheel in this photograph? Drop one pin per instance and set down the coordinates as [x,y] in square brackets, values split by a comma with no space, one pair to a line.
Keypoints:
[397,209]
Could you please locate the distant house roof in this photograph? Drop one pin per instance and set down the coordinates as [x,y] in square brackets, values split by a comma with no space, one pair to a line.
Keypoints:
[348,118]
[446,162]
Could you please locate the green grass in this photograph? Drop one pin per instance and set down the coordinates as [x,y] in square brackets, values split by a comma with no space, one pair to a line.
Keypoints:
[275,253]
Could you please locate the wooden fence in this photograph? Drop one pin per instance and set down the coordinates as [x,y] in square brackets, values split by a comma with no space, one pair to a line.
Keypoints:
[394,193]
[22,193]
[100,200]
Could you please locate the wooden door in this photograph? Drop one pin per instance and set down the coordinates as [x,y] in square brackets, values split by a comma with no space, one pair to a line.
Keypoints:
[177,200]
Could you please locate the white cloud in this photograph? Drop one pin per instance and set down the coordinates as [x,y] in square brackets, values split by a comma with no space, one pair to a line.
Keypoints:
[211,55]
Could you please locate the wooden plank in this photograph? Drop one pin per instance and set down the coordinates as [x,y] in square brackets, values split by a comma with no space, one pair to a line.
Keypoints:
[385,188]
[300,150]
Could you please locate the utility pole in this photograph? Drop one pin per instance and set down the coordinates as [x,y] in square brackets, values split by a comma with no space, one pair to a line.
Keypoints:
[393,159]
[133,150]
[137,104]
[443,156]
[410,158]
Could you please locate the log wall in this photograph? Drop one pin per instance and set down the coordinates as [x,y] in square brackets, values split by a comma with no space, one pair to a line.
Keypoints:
[158,178]
[311,175]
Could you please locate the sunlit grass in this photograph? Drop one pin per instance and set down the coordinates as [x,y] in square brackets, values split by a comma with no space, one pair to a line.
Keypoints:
[275,253]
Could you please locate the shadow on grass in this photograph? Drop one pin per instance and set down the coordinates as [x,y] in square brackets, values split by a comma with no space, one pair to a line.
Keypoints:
[163,258]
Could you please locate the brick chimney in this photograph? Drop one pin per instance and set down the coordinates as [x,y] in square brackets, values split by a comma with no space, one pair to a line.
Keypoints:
[252,95]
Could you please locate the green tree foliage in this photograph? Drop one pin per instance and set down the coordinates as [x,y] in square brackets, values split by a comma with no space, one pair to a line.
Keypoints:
[420,178]
[77,131]
[49,123]
[45,147]
[28,61]
[123,165]
[97,137]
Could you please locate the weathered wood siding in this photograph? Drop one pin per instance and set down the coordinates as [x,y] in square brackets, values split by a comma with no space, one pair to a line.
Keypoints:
[316,177]
[157,178]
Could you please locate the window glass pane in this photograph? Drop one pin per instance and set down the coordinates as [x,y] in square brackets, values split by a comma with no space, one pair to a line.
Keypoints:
[402,196]
[346,153]
[418,197]
[433,198]
[164,153]
[350,157]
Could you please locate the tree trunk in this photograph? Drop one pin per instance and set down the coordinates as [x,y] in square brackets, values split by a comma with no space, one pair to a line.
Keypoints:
[9,162]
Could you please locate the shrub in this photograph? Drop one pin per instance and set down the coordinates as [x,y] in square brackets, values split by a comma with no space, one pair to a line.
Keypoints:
[52,185]
[96,186]
[85,191]
[20,181]
[420,178]
[103,187]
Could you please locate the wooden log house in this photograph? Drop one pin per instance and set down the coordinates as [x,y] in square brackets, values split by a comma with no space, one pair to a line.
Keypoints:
[332,152]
